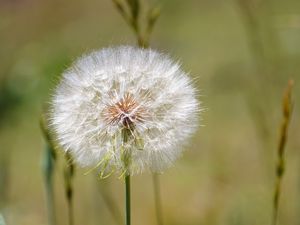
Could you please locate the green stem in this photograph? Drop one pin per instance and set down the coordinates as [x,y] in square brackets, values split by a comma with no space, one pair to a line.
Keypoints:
[157,198]
[48,167]
[127,200]
[70,211]
[287,107]
[126,160]
[68,175]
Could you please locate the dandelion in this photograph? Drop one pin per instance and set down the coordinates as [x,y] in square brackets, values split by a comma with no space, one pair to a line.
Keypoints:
[124,109]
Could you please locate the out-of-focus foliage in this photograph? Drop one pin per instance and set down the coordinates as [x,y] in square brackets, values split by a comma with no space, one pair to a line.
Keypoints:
[241,54]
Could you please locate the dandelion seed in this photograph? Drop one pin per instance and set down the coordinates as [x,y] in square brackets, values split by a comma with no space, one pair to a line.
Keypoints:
[125,89]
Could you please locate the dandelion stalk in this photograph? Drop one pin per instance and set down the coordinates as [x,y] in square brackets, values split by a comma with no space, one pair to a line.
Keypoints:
[157,198]
[287,107]
[126,157]
[127,200]
[68,176]
[48,164]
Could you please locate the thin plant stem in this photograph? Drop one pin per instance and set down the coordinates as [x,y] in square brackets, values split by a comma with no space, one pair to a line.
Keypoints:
[127,200]
[48,164]
[48,168]
[126,157]
[68,175]
[133,19]
[157,198]
[280,168]
[70,211]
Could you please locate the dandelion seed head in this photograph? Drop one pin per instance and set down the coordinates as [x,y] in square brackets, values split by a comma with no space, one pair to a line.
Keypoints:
[124,88]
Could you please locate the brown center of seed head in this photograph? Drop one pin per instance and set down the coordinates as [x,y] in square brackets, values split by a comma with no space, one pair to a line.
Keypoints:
[126,111]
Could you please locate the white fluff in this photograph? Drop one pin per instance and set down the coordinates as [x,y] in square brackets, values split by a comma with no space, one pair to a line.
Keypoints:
[88,113]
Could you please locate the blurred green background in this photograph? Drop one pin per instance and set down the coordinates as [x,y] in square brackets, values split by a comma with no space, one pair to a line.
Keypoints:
[241,53]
